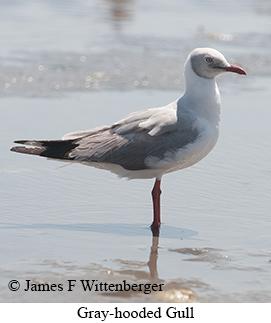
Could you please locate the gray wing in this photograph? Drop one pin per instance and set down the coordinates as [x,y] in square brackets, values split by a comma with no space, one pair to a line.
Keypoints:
[129,142]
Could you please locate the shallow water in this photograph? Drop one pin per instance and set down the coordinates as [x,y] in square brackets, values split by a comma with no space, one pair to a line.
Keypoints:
[91,65]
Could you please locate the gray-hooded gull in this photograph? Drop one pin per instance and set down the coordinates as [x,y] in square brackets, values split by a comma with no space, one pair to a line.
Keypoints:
[156,141]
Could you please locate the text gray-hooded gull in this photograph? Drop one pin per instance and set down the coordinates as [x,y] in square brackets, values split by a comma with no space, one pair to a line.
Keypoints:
[152,142]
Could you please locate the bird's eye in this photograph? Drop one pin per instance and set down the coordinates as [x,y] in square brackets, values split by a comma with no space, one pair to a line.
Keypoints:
[208,59]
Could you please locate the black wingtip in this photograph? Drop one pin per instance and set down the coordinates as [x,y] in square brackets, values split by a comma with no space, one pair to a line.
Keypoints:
[58,149]
[19,141]
[28,150]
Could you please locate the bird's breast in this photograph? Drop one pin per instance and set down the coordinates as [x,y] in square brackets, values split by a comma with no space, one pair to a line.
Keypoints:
[200,147]
[191,153]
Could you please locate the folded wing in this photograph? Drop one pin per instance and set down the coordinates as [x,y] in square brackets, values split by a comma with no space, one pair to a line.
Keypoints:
[128,143]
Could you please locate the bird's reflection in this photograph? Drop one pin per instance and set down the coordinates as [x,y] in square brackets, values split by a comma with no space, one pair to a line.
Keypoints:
[152,263]
[170,292]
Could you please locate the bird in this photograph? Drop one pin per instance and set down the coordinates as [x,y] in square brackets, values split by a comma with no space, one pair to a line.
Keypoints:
[155,141]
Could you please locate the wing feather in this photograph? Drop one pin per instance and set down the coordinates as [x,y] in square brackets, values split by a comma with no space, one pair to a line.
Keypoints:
[129,142]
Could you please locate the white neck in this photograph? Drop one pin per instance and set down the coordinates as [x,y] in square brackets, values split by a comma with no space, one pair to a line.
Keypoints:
[201,95]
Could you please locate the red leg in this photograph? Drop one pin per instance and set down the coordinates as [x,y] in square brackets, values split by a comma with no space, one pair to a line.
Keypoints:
[156,192]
